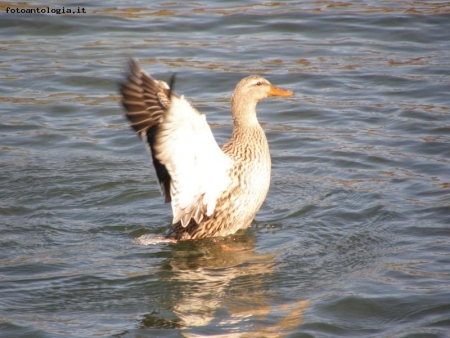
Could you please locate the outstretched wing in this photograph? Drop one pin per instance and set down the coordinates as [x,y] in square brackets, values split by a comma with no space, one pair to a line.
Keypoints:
[192,169]
[145,101]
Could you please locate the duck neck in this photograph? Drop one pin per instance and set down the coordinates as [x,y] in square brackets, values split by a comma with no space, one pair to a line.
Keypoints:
[244,112]
[247,130]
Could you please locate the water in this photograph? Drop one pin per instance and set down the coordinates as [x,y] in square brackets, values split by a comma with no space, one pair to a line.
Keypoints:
[353,239]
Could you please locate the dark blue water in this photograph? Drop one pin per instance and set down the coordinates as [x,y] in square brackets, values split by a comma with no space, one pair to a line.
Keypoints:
[354,237]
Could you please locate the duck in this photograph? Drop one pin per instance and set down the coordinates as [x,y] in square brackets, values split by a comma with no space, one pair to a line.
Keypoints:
[214,191]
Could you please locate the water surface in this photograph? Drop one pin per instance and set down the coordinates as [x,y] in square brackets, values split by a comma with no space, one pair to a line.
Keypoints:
[353,239]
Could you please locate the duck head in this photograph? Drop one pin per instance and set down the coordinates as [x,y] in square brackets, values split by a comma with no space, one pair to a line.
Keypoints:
[248,92]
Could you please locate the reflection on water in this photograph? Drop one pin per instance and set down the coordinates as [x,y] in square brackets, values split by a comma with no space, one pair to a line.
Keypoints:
[223,282]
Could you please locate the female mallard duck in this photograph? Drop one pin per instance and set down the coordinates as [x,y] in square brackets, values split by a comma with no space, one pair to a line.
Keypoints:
[213,191]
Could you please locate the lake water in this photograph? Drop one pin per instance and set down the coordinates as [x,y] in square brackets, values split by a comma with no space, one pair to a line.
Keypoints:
[354,237]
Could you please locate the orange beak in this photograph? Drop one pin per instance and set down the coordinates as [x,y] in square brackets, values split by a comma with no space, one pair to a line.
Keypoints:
[275,91]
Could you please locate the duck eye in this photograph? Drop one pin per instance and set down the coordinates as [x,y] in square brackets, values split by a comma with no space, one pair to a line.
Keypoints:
[259,83]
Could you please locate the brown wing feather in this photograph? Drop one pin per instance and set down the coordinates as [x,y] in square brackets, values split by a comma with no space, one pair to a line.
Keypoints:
[146,100]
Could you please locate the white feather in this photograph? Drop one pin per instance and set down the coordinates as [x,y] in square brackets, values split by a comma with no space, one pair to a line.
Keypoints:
[198,167]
